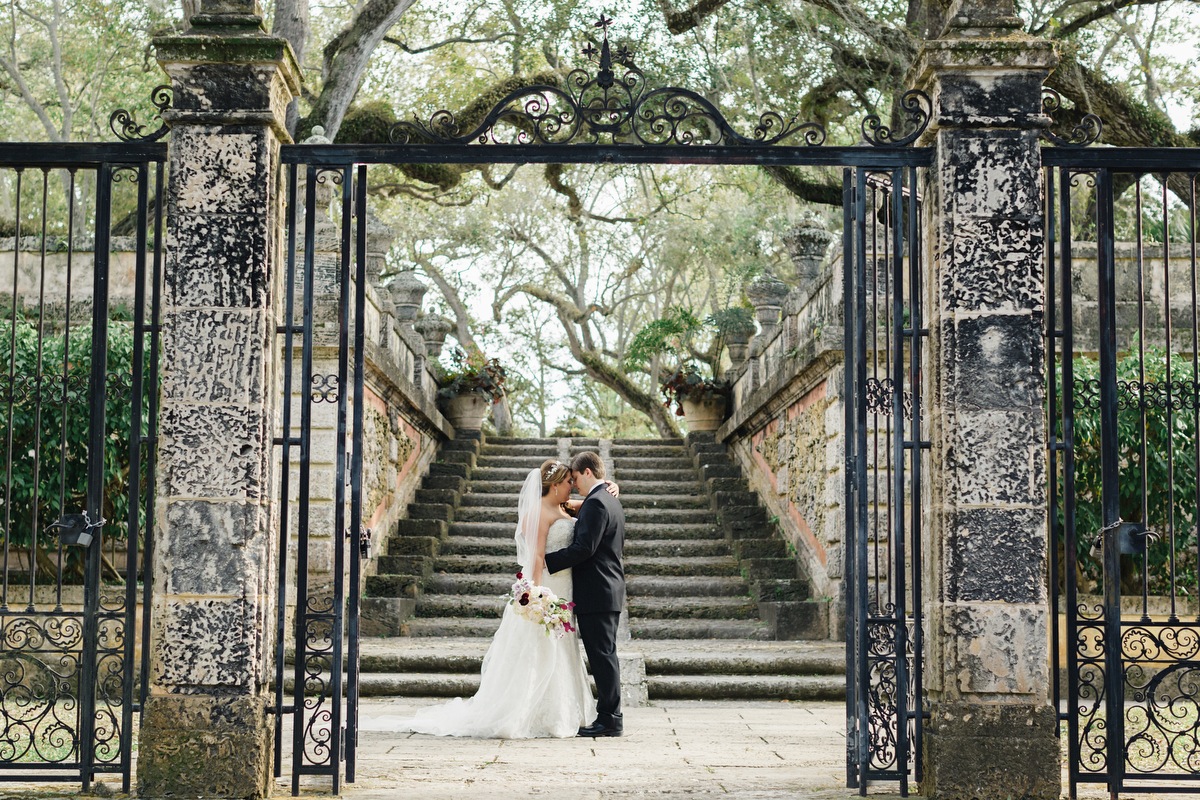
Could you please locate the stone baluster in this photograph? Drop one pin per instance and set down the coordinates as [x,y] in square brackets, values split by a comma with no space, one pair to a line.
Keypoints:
[407,293]
[205,728]
[992,730]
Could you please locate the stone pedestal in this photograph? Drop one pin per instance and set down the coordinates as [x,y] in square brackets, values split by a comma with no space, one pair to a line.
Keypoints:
[205,728]
[992,730]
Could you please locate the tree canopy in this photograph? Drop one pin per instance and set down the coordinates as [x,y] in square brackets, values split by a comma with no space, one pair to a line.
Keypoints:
[557,268]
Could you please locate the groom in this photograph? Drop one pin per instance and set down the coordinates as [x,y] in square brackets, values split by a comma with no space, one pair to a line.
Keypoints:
[599,581]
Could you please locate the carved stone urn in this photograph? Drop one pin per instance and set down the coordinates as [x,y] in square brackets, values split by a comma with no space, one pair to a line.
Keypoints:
[433,329]
[466,412]
[807,242]
[766,293]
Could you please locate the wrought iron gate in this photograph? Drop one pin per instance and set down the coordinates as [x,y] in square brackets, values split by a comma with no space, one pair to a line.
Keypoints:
[606,112]
[885,463]
[321,510]
[1121,343]
[78,412]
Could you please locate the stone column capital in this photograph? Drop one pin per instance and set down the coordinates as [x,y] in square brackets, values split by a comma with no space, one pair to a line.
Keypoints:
[985,78]
[227,70]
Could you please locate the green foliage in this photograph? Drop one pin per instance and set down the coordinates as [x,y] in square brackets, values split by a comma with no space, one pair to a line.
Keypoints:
[1171,484]
[35,499]
[736,319]
[669,335]
[686,383]
[472,373]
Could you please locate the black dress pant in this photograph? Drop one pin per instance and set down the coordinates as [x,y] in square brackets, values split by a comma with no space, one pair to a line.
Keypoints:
[599,634]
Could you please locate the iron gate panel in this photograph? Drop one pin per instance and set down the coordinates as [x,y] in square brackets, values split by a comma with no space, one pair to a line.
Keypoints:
[78,410]
[321,511]
[1124,408]
[885,463]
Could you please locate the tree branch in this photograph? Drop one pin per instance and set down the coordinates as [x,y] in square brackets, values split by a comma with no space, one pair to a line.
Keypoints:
[392,40]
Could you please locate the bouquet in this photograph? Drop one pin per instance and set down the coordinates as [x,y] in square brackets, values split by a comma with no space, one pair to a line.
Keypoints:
[540,605]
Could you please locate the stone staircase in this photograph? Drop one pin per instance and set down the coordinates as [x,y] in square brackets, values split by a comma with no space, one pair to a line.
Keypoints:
[709,587]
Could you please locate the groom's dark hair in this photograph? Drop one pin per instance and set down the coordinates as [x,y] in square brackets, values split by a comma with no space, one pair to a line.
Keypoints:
[588,460]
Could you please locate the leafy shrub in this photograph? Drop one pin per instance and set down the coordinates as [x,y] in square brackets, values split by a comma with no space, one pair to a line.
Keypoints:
[1171,487]
[35,500]
[686,383]
[472,373]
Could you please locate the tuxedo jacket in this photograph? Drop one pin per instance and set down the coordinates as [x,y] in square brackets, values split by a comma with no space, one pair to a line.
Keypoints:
[595,555]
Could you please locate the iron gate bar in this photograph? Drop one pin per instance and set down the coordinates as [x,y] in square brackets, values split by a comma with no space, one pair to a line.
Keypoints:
[151,439]
[850,412]
[338,155]
[356,470]
[306,369]
[1124,159]
[78,155]
[862,684]
[288,329]
[1114,693]
[898,586]
[95,468]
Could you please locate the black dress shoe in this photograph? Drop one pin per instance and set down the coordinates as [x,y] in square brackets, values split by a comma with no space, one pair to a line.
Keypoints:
[599,728]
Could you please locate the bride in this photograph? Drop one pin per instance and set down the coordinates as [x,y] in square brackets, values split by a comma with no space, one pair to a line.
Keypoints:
[533,685]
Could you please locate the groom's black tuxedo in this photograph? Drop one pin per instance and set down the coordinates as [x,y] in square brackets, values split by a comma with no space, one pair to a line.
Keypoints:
[595,554]
[599,582]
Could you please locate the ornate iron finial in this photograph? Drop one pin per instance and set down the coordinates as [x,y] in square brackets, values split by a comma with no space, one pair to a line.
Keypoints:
[915,107]
[612,106]
[1086,131]
[126,128]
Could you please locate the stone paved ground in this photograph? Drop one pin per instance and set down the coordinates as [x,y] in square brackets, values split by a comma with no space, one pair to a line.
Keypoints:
[735,750]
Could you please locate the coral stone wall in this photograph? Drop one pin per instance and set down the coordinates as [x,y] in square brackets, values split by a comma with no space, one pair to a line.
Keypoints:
[786,431]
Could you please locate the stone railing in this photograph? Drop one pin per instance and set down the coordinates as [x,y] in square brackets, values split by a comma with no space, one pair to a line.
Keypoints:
[786,428]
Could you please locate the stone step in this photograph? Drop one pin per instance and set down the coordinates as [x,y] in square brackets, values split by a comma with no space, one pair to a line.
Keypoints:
[517,474]
[628,485]
[633,530]
[746,687]
[629,501]
[700,629]
[651,463]
[680,565]
[634,565]
[641,629]
[671,442]
[640,608]
[707,608]
[659,687]
[503,547]
[519,441]
[525,463]
[693,516]
[666,657]
[498,584]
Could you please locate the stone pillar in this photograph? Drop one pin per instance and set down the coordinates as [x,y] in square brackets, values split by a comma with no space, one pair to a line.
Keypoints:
[205,728]
[992,729]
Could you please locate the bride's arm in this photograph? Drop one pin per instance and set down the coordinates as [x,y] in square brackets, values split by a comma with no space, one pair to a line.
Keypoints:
[572,506]
[539,562]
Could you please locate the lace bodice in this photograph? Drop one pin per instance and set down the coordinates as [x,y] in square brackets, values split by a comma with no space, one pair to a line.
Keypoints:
[559,536]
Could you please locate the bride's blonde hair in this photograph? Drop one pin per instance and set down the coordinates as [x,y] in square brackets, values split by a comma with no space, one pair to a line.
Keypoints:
[553,472]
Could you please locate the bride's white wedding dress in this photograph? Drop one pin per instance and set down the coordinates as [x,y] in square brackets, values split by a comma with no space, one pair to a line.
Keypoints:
[533,685]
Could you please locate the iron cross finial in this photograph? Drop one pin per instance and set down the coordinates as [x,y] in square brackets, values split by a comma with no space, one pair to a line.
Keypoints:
[603,24]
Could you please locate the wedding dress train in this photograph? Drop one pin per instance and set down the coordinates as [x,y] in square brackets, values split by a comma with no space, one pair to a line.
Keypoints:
[533,685]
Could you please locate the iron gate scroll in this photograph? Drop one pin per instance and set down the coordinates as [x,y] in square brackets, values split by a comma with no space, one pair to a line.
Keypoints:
[886,459]
[607,112]
[1123,339]
[78,411]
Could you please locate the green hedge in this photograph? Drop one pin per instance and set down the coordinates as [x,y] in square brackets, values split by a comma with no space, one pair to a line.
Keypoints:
[1180,474]
[28,430]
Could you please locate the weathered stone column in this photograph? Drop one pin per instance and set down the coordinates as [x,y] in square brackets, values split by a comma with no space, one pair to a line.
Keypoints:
[205,727]
[992,729]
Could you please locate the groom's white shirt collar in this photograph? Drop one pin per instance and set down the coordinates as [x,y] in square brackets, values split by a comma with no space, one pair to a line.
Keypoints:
[599,485]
